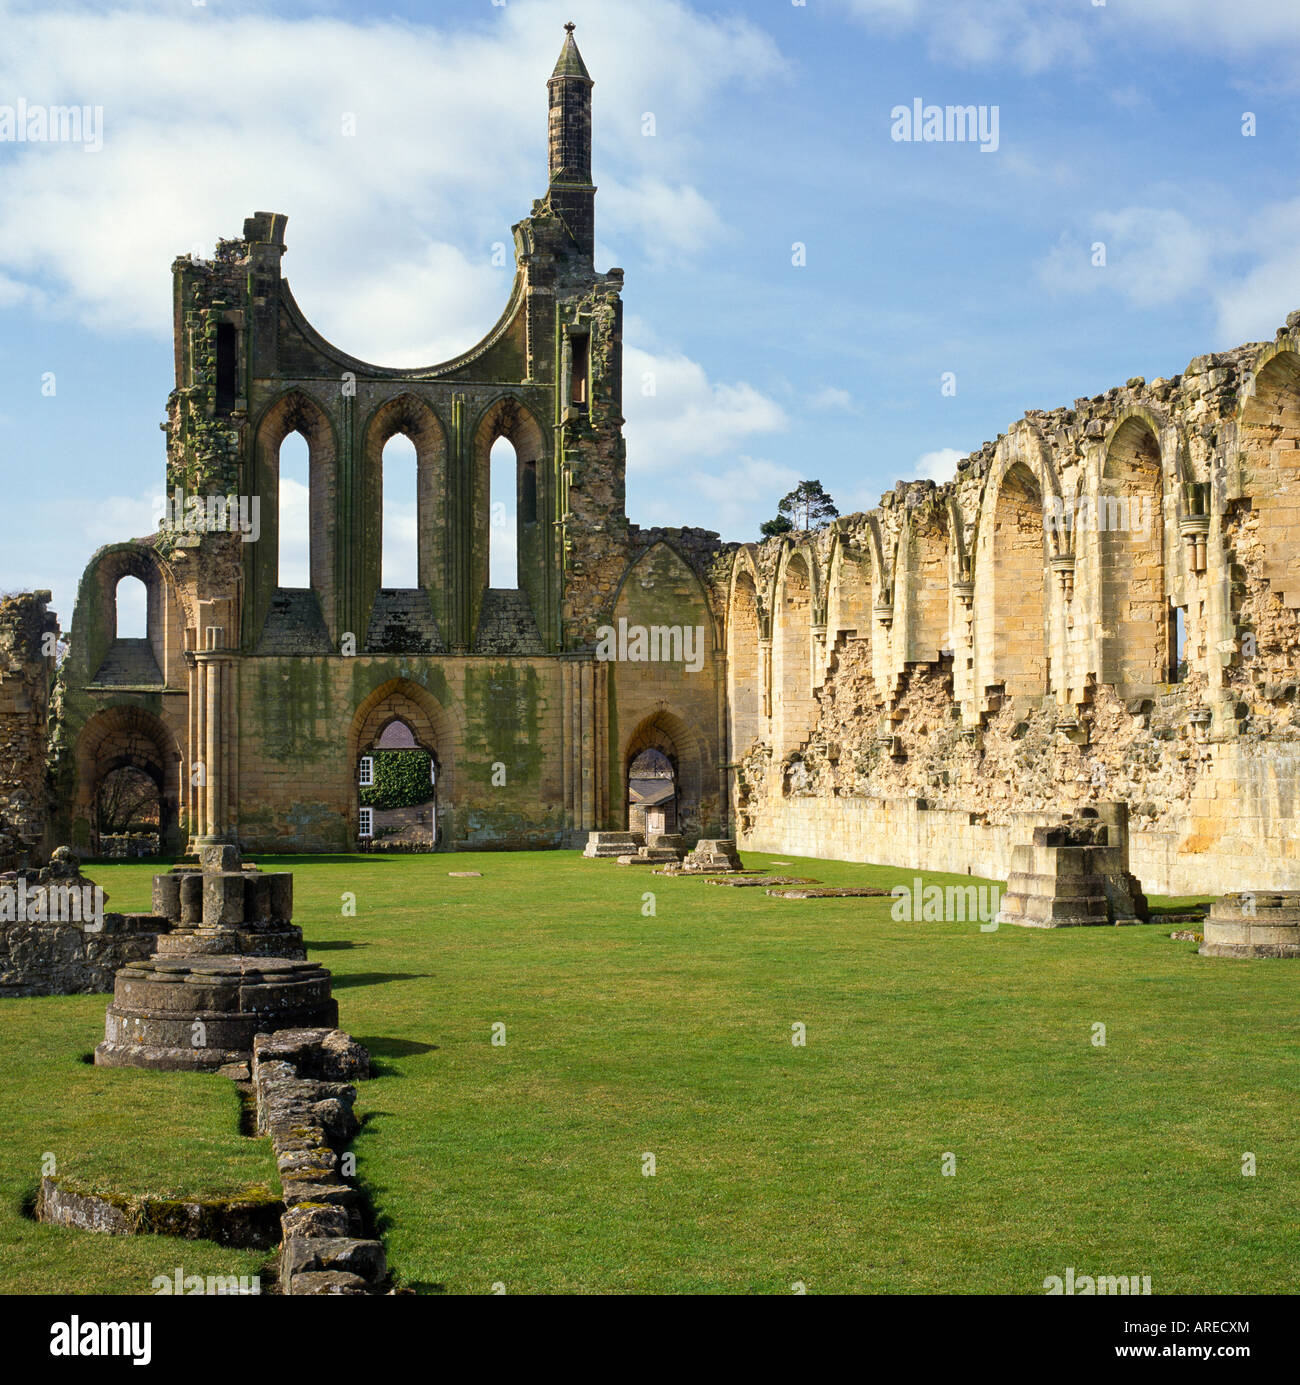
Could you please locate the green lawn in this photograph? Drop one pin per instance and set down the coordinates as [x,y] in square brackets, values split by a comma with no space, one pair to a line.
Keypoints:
[670,1035]
[111,1130]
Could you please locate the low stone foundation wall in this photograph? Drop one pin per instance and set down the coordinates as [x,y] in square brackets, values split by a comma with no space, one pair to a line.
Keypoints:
[248,1221]
[302,1081]
[67,959]
[910,834]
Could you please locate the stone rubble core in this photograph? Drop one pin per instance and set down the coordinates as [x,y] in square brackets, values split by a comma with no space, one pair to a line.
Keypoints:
[210,989]
[302,1083]
[1253,925]
[1075,874]
[73,957]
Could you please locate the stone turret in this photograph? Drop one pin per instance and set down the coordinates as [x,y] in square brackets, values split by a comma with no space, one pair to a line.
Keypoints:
[572,194]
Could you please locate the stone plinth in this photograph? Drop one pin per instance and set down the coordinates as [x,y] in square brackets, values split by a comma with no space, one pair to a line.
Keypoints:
[666,841]
[225,908]
[232,967]
[200,1013]
[1074,874]
[610,844]
[713,854]
[1253,925]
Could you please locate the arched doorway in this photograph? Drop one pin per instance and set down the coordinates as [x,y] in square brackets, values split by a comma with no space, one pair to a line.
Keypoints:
[678,748]
[128,785]
[397,788]
[129,809]
[652,793]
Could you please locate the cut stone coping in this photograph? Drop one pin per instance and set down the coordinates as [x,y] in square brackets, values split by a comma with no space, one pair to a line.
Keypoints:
[247,1220]
[761,880]
[829,892]
[466,874]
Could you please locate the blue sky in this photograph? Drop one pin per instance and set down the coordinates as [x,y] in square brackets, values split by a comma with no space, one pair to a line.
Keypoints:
[1120,123]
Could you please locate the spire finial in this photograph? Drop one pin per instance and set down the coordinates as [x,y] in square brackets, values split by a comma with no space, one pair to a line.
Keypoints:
[570,27]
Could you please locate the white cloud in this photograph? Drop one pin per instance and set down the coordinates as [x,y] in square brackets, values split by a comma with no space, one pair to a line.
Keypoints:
[1153,256]
[1254,303]
[675,412]
[672,222]
[1248,267]
[938,466]
[993,33]
[734,500]
[294,531]
[832,397]
[211,113]
[1033,37]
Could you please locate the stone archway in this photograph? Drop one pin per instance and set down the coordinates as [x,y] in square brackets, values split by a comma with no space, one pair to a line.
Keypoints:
[652,793]
[397,785]
[396,726]
[1135,626]
[118,740]
[675,746]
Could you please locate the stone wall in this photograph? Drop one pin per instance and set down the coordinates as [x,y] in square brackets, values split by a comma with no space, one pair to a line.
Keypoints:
[26,673]
[909,684]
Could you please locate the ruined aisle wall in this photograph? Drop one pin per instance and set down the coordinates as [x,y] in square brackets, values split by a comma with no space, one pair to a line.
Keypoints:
[1009,644]
[1242,832]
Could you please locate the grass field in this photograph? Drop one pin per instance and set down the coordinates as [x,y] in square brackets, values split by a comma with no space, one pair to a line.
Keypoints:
[629,1034]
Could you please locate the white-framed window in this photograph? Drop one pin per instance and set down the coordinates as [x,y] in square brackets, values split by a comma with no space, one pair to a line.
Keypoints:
[367,774]
[366,823]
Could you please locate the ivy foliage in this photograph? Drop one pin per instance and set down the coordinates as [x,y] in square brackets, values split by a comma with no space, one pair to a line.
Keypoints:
[401,779]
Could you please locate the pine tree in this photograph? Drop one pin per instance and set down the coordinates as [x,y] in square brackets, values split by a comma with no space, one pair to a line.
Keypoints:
[808,506]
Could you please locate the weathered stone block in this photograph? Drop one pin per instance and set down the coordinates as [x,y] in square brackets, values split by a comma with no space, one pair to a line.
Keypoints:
[223,898]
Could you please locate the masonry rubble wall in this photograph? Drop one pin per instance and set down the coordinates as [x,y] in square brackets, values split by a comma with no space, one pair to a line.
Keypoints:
[26,674]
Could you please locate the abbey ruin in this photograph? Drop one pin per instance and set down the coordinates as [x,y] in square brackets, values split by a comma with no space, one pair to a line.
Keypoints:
[1104,606]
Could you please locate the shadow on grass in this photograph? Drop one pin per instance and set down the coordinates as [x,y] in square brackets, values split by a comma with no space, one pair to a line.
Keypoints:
[27,1201]
[383,1049]
[395,1048]
[376,978]
[305,858]
[330,947]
